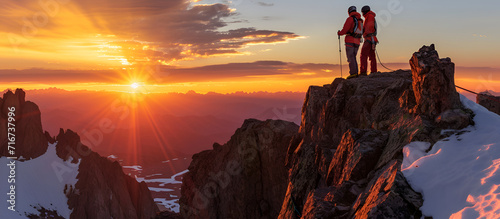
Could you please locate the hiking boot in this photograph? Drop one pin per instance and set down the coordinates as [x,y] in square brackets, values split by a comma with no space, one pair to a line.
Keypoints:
[363,74]
[352,76]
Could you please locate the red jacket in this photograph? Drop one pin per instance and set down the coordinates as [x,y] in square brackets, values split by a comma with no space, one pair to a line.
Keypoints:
[349,27]
[369,27]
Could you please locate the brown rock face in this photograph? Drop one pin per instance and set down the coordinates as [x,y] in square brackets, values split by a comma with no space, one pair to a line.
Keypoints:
[433,82]
[30,139]
[102,190]
[489,101]
[244,178]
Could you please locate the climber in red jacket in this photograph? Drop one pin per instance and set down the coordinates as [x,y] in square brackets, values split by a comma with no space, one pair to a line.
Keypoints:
[371,41]
[354,32]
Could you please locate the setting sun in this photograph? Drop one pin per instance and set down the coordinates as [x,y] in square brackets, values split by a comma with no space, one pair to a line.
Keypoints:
[135,85]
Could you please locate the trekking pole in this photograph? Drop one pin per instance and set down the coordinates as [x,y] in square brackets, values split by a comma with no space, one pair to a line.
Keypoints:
[340,53]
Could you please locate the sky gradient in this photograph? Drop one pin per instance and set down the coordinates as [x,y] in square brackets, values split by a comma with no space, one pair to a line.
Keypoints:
[228,46]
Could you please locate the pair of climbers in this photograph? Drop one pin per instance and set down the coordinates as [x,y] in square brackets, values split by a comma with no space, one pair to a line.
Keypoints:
[355,31]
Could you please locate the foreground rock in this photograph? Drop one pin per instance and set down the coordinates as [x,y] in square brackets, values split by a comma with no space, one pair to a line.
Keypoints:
[348,161]
[489,101]
[244,178]
[30,140]
[102,190]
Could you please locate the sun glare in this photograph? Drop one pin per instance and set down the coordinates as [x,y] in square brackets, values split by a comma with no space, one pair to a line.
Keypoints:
[135,85]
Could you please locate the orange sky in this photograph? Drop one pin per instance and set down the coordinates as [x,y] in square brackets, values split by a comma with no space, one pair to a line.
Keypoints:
[219,46]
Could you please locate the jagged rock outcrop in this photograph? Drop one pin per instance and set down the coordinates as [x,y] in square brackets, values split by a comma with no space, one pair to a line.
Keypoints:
[433,82]
[30,140]
[244,178]
[102,189]
[489,101]
[347,163]
[434,89]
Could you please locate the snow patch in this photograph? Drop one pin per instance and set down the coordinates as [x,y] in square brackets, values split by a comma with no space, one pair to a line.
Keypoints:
[40,182]
[413,152]
[156,174]
[135,167]
[460,176]
[172,205]
[164,181]
[160,189]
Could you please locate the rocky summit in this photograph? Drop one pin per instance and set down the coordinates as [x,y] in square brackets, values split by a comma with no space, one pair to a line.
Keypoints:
[345,159]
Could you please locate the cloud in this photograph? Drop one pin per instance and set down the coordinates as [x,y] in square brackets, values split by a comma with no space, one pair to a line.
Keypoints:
[265,4]
[143,31]
[268,71]
[270,18]
[171,74]
[480,35]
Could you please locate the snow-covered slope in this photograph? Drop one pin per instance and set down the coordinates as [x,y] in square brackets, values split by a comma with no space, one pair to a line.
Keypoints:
[460,176]
[40,183]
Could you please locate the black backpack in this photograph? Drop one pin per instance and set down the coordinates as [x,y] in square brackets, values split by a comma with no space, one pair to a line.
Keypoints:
[357,32]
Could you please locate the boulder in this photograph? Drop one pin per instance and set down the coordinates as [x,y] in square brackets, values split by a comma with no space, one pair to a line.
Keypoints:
[489,101]
[453,119]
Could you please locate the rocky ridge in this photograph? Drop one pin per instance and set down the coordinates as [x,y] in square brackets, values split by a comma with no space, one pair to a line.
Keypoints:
[345,159]
[352,135]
